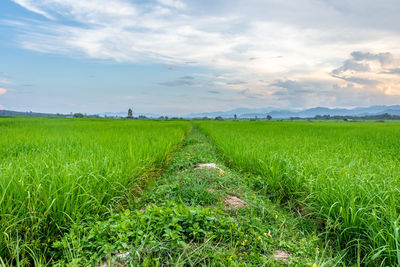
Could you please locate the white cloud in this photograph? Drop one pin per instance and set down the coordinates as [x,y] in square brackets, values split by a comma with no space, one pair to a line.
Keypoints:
[28,4]
[373,72]
[4,81]
[123,31]
[172,3]
[3,91]
[254,39]
[87,11]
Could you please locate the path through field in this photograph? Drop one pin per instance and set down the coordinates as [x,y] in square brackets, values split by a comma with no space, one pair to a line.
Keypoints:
[199,215]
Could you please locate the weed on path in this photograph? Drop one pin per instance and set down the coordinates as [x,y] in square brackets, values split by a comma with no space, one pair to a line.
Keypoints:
[197,216]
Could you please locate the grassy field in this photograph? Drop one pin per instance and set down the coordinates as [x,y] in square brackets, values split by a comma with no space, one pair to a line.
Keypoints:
[197,217]
[82,191]
[344,176]
[56,172]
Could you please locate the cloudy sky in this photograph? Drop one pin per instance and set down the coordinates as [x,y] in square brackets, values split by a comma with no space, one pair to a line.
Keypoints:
[183,56]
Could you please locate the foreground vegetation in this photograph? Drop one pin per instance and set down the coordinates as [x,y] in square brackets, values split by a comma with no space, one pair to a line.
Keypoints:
[344,176]
[58,172]
[83,192]
[187,218]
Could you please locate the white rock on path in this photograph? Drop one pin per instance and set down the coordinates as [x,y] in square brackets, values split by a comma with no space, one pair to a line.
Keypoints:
[209,166]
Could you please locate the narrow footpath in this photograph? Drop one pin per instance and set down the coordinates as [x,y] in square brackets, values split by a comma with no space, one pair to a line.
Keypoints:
[198,212]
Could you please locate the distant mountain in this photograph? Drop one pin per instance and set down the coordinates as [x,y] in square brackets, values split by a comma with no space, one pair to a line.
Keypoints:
[29,114]
[307,113]
[229,114]
[244,113]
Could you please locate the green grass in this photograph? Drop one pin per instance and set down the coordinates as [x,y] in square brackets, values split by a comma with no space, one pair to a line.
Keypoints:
[182,220]
[81,191]
[59,172]
[344,176]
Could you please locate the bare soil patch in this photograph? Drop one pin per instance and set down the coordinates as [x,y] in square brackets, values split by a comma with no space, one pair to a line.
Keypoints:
[234,203]
[281,255]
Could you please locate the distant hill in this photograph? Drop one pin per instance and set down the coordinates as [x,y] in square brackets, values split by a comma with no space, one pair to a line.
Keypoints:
[306,113]
[30,114]
[244,113]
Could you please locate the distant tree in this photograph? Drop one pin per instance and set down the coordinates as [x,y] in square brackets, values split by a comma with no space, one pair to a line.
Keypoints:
[219,118]
[130,114]
[269,117]
[78,115]
[235,117]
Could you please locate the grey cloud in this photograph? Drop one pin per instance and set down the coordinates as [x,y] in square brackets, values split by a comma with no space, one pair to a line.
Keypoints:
[313,14]
[289,87]
[246,92]
[358,63]
[178,82]
[303,93]
[383,58]
[187,78]
[392,71]
[351,64]
[354,63]
[227,100]
[214,92]
[236,82]
[358,80]
[347,96]
[189,81]
[295,93]
[182,81]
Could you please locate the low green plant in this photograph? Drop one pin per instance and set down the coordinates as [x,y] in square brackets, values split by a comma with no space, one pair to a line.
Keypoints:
[156,232]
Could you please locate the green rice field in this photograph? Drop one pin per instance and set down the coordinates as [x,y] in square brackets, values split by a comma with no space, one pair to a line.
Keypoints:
[54,172]
[346,176]
[303,187]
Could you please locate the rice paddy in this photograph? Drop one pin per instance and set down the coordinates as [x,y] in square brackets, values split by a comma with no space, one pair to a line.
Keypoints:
[86,191]
[55,172]
[344,176]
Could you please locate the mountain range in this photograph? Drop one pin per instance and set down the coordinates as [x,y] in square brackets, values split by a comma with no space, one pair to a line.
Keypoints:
[244,113]
[306,113]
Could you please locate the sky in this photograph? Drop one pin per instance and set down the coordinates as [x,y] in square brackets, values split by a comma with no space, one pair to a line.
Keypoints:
[186,56]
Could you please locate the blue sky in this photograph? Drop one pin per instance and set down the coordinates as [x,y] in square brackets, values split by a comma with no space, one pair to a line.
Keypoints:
[177,57]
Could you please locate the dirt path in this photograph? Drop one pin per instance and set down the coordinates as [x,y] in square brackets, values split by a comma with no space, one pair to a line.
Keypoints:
[199,212]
